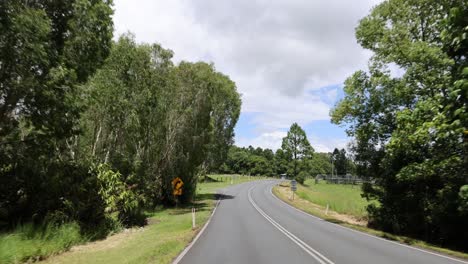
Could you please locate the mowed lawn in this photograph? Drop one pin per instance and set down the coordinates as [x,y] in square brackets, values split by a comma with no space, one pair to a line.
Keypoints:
[167,234]
[344,199]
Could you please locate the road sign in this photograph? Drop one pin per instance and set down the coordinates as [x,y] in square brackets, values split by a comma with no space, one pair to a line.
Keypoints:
[177,184]
[293,188]
[293,185]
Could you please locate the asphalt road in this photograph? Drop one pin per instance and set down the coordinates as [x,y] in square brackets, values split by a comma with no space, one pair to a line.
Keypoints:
[250,225]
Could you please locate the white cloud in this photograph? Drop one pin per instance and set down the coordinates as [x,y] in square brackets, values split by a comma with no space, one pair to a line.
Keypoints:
[278,111]
[166,22]
[277,52]
[271,140]
[327,144]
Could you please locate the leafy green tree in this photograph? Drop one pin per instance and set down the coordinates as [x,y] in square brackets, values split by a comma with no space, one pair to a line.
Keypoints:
[246,161]
[340,162]
[226,104]
[297,147]
[153,121]
[123,124]
[47,50]
[281,161]
[410,129]
[188,129]
[91,128]
[301,177]
[258,151]
[260,166]
[268,154]
[237,160]
[118,198]
[319,164]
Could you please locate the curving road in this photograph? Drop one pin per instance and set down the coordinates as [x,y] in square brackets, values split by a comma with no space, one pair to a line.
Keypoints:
[250,225]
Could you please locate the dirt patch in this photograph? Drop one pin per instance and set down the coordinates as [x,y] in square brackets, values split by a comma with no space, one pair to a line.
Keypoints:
[110,242]
[153,221]
[286,193]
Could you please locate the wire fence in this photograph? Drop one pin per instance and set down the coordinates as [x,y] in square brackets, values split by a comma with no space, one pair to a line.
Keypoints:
[342,179]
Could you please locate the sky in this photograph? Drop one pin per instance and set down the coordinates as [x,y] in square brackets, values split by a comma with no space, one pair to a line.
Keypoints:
[288,58]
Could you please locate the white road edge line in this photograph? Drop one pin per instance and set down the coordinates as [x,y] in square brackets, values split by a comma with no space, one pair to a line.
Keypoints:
[362,233]
[308,249]
[186,250]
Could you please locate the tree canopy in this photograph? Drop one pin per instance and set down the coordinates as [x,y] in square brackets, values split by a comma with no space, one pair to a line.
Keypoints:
[340,162]
[47,50]
[296,146]
[410,128]
[94,130]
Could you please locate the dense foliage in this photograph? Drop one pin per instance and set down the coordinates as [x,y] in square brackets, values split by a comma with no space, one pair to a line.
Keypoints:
[265,162]
[47,50]
[295,157]
[410,125]
[93,130]
[154,121]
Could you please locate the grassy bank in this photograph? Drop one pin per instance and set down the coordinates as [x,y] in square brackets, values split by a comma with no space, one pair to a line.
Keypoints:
[168,232]
[344,210]
[344,199]
[28,242]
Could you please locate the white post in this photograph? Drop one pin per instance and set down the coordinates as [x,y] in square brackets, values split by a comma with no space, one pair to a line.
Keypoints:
[326,210]
[193,218]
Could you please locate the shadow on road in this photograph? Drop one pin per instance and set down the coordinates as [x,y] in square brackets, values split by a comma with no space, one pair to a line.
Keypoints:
[208,196]
[221,196]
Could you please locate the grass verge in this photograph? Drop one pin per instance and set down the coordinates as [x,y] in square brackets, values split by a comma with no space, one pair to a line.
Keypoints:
[30,243]
[351,221]
[344,199]
[168,232]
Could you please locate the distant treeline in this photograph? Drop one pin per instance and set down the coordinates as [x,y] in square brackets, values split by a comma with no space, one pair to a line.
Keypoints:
[94,130]
[265,162]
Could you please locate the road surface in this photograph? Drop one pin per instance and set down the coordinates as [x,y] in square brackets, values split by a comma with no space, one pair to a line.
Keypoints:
[250,225]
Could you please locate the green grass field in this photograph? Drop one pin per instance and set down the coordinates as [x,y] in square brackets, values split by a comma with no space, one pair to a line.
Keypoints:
[344,199]
[168,232]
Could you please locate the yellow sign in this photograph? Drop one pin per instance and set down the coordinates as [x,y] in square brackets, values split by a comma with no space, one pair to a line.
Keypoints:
[177,184]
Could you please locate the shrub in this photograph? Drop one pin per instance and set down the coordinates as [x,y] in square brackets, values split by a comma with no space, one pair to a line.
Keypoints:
[120,197]
[300,178]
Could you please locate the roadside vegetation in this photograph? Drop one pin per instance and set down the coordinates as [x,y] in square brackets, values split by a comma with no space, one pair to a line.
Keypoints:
[410,128]
[347,210]
[94,129]
[344,199]
[166,234]
[29,242]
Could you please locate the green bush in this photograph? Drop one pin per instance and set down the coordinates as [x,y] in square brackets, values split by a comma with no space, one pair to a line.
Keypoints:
[120,197]
[463,196]
[300,178]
